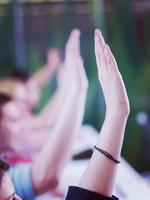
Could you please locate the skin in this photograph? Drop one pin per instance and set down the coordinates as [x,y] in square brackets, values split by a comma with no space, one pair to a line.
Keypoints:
[11,111]
[45,74]
[39,79]
[63,132]
[34,128]
[101,171]
[31,127]
[30,92]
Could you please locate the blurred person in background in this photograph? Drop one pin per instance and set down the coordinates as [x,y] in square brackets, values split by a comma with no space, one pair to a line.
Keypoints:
[34,83]
[51,159]
[25,91]
[30,131]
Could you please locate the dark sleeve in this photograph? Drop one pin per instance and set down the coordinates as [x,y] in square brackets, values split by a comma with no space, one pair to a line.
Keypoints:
[77,193]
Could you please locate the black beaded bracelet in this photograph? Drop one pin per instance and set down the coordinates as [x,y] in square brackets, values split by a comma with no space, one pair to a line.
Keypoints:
[107,154]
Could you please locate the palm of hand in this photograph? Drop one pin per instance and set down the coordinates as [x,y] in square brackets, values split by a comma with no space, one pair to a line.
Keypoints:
[110,78]
[74,63]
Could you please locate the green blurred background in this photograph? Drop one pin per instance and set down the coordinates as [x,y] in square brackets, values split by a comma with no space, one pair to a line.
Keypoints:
[29,28]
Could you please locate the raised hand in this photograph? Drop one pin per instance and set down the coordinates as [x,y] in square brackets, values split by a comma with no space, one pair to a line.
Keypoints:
[69,119]
[74,62]
[100,174]
[110,78]
[53,59]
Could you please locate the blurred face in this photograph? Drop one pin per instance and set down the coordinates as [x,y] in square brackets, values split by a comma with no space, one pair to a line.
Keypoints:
[21,93]
[26,96]
[22,97]
[11,111]
[7,191]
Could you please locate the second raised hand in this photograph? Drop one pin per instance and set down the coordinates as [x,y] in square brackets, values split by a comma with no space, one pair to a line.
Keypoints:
[74,62]
[110,78]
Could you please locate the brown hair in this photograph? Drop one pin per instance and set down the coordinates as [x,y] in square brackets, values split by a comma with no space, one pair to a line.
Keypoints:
[4,167]
[4,98]
[8,86]
[20,75]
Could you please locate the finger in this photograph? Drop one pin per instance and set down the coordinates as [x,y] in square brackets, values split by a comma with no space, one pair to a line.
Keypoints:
[73,43]
[96,51]
[76,41]
[100,37]
[110,59]
[80,66]
[82,73]
[99,48]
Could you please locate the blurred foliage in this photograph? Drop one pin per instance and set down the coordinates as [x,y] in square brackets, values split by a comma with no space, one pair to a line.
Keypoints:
[125,27]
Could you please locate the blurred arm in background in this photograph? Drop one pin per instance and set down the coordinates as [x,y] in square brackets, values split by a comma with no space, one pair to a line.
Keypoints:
[45,74]
[49,163]
[51,160]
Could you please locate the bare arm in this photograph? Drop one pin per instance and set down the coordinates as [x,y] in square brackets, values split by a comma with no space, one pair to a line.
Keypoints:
[47,71]
[51,111]
[33,129]
[57,151]
[101,171]
[47,117]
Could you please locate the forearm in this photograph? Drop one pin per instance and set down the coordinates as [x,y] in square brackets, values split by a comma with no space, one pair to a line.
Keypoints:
[112,133]
[43,75]
[67,130]
[100,173]
[51,110]
[47,117]
[57,151]
[33,123]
